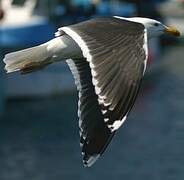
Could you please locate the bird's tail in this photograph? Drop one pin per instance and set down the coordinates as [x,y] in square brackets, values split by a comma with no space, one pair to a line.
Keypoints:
[27,60]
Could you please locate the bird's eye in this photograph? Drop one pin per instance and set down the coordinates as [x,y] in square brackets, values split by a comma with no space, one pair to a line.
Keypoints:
[156,24]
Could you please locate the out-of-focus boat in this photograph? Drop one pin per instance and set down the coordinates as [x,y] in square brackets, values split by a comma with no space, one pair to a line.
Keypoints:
[20,24]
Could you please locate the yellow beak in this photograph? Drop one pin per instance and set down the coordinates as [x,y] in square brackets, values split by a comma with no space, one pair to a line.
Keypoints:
[172,30]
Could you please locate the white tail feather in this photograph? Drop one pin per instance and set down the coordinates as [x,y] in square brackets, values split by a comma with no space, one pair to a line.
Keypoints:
[18,60]
[37,57]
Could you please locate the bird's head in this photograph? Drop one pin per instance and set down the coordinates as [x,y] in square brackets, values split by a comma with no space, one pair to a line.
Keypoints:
[156,28]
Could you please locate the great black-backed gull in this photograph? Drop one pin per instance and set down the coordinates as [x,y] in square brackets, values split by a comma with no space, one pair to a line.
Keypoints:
[107,57]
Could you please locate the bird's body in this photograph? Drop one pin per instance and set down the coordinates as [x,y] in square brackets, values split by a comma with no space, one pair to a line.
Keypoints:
[107,57]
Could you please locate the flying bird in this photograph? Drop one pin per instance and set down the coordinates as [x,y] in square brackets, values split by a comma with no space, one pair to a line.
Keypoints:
[107,57]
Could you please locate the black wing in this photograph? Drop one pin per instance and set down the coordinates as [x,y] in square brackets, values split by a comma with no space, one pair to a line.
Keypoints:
[116,54]
[94,134]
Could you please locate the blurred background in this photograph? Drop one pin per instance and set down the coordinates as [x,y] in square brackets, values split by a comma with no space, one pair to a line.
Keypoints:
[39,137]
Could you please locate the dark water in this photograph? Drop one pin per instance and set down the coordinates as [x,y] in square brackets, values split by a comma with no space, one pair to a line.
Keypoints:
[39,138]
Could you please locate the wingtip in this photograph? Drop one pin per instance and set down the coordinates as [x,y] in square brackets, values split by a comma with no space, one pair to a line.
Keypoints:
[91,160]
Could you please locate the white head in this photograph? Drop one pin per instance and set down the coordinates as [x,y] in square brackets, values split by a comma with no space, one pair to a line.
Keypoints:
[155,28]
